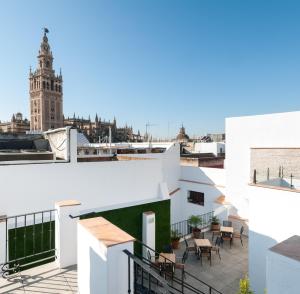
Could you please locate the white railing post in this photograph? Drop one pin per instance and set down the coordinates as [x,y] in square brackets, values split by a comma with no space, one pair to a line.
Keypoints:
[3,235]
[66,232]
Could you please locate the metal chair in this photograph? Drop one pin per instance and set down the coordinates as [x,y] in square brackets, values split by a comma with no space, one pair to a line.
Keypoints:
[239,235]
[205,251]
[215,232]
[216,248]
[154,262]
[227,223]
[225,236]
[181,264]
[190,247]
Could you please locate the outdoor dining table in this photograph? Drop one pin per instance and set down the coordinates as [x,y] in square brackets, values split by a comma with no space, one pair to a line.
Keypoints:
[167,259]
[226,229]
[203,243]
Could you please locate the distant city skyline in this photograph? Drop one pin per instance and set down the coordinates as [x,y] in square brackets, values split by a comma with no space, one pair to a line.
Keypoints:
[162,62]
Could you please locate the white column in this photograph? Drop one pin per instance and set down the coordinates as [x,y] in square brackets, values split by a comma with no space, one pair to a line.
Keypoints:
[66,232]
[148,231]
[2,240]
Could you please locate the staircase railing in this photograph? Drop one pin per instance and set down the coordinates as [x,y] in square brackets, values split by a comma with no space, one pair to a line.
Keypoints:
[186,283]
[145,279]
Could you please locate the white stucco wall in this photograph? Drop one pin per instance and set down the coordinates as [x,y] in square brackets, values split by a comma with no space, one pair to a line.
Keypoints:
[282,274]
[212,147]
[274,217]
[37,186]
[243,133]
[170,162]
[101,269]
[210,181]
[272,213]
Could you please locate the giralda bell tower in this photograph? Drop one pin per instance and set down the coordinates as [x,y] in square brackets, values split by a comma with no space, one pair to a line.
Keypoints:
[46,92]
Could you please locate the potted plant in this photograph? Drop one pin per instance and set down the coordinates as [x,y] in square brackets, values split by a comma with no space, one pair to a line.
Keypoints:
[194,222]
[215,224]
[175,237]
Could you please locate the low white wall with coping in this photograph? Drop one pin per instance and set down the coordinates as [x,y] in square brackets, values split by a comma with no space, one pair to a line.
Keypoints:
[282,274]
[95,184]
[274,217]
[101,268]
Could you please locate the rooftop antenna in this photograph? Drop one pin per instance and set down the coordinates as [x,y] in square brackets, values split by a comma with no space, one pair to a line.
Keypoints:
[109,139]
[148,125]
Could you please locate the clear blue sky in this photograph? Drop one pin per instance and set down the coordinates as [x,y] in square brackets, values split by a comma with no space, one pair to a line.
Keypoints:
[162,61]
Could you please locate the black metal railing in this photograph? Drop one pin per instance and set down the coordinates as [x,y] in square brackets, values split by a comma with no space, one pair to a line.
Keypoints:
[184,282]
[145,279]
[29,241]
[183,228]
[281,177]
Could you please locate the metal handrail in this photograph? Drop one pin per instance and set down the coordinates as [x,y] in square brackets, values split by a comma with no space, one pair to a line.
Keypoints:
[181,282]
[163,283]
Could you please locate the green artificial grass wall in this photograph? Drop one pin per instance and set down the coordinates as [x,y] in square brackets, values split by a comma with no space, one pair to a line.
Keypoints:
[29,240]
[130,219]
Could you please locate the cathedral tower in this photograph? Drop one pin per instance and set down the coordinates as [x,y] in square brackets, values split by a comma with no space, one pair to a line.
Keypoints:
[46,92]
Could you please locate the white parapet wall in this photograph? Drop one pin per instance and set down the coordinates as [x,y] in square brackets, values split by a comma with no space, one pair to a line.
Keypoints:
[95,184]
[102,265]
[283,267]
[274,217]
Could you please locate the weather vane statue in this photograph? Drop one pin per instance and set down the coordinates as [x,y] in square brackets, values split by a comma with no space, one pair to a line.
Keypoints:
[46,31]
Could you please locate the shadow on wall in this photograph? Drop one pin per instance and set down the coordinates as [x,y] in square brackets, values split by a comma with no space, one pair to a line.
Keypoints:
[98,276]
[258,248]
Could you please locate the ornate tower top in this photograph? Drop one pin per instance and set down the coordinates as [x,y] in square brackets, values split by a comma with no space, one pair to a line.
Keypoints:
[45,54]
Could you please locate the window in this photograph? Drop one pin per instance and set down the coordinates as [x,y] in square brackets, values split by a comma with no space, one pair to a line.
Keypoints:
[196,197]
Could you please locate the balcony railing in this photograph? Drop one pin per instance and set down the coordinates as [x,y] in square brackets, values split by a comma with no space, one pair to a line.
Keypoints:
[183,228]
[281,177]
